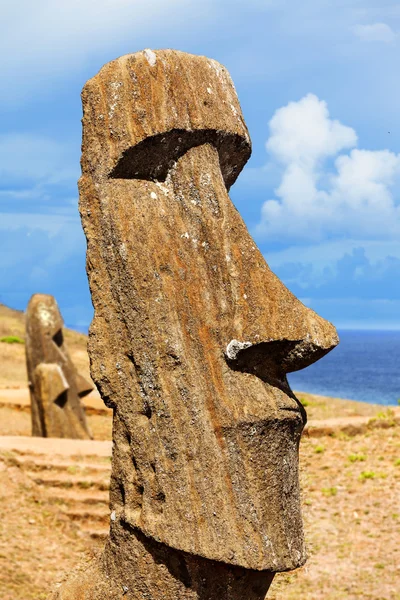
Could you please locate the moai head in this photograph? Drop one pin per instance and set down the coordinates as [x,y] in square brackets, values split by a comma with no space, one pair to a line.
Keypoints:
[55,385]
[193,335]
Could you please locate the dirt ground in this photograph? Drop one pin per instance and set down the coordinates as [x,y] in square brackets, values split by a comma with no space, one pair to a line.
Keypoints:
[54,510]
[38,543]
[351,506]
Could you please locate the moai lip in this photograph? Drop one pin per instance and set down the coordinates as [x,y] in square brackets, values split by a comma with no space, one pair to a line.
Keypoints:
[192,336]
[55,386]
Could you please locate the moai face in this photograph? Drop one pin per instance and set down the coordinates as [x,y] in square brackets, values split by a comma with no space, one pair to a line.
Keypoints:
[193,335]
[55,385]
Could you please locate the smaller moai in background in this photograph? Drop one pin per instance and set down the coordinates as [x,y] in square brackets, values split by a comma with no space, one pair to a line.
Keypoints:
[56,388]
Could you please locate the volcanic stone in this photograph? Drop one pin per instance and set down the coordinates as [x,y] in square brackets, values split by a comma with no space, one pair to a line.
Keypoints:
[191,342]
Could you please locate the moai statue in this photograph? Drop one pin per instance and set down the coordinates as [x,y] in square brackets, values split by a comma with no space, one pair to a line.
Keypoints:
[55,385]
[191,341]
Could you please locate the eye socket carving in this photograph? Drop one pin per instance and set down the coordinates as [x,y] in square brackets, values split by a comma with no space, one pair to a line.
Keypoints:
[62,399]
[153,158]
[58,338]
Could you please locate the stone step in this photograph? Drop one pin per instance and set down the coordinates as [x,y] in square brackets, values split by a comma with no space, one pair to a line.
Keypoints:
[66,480]
[76,449]
[88,514]
[35,464]
[73,497]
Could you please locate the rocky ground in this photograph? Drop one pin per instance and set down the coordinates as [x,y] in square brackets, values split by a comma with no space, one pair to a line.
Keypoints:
[54,499]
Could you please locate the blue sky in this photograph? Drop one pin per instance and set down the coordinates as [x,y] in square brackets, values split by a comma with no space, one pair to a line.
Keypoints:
[319,88]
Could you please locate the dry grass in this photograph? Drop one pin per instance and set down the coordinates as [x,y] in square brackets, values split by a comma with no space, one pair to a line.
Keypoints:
[324,407]
[351,505]
[351,492]
[11,322]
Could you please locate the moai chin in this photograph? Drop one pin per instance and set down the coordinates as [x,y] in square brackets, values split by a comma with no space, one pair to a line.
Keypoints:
[191,341]
[55,385]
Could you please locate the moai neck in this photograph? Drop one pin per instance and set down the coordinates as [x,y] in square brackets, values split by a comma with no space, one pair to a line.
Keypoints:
[191,341]
[147,569]
[135,567]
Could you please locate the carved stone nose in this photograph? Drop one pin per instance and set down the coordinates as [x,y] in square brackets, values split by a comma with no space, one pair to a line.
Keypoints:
[272,360]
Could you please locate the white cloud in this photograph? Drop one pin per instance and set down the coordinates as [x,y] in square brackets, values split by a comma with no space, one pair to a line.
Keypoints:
[302,133]
[38,180]
[376,32]
[313,202]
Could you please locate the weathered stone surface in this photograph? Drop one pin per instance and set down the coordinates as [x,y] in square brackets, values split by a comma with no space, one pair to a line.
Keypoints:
[192,338]
[147,569]
[55,385]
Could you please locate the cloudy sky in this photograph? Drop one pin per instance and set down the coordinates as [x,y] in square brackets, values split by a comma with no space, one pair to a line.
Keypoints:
[319,87]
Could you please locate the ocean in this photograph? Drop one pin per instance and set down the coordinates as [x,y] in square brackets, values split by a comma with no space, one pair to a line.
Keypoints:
[364,366]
